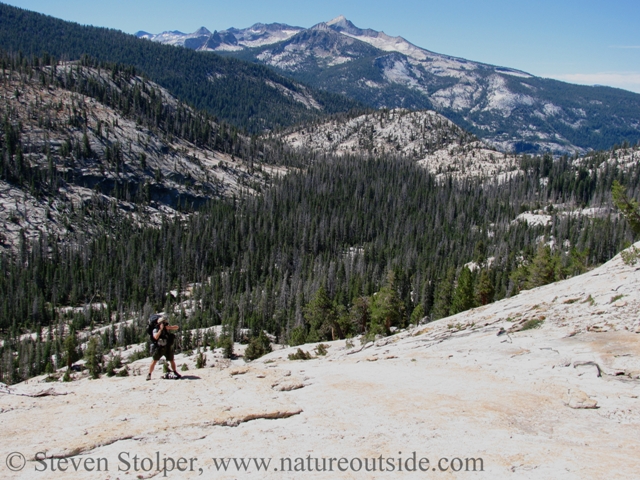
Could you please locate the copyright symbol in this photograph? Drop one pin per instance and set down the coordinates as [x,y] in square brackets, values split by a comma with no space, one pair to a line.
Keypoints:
[16,461]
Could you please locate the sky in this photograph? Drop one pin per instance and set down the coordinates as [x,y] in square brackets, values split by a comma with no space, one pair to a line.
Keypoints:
[593,42]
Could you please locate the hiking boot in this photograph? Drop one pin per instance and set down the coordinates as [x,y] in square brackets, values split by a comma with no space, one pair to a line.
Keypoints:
[177,374]
[148,376]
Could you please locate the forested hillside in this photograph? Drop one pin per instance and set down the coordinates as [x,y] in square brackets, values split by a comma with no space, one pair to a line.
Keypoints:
[251,97]
[424,136]
[343,247]
[84,140]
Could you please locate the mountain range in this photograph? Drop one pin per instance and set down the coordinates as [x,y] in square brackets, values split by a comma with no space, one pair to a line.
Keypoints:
[511,109]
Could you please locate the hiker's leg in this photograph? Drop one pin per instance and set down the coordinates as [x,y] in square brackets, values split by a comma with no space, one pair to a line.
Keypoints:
[156,354]
[151,367]
[169,357]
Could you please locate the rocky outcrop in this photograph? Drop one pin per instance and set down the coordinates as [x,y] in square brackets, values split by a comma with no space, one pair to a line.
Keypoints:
[97,155]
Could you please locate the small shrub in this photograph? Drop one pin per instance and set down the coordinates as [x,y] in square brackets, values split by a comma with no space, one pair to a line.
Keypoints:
[630,256]
[113,364]
[184,367]
[123,373]
[321,350]
[616,298]
[201,360]
[348,343]
[532,323]
[372,335]
[300,355]
[258,346]
[213,341]
[117,360]
[227,346]
[67,376]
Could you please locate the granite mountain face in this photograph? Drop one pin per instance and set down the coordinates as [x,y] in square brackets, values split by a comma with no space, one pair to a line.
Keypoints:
[510,109]
[85,143]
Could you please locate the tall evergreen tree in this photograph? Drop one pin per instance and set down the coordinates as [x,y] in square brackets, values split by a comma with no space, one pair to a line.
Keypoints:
[543,268]
[485,289]
[463,295]
[387,308]
[628,206]
[442,306]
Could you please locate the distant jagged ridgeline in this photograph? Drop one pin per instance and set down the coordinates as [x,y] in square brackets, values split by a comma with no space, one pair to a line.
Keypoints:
[508,108]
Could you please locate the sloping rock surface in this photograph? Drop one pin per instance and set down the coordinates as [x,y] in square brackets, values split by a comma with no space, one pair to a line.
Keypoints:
[542,385]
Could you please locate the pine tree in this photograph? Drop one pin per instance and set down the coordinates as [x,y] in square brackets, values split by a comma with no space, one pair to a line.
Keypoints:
[463,295]
[387,309]
[444,295]
[417,314]
[628,206]
[484,289]
[93,357]
[322,319]
[542,270]
[360,313]
[71,350]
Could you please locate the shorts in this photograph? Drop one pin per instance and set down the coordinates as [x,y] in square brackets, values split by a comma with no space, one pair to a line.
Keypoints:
[158,352]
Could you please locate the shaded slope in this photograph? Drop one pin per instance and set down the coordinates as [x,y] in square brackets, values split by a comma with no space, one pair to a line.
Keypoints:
[249,96]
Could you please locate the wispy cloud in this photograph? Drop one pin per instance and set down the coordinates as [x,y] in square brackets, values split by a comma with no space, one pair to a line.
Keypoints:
[625,80]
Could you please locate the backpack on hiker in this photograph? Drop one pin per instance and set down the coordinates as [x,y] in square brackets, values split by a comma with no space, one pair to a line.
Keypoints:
[152,325]
[166,339]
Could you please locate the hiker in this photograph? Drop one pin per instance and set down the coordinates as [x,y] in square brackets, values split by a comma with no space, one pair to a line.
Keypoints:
[162,337]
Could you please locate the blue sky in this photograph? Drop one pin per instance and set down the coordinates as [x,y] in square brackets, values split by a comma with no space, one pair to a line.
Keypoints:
[581,41]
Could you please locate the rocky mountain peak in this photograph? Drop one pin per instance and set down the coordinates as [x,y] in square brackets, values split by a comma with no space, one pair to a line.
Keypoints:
[342,25]
[341,22]
[202,31]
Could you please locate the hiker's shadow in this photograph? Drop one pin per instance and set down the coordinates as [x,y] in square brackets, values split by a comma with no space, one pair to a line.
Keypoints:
[190,377]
